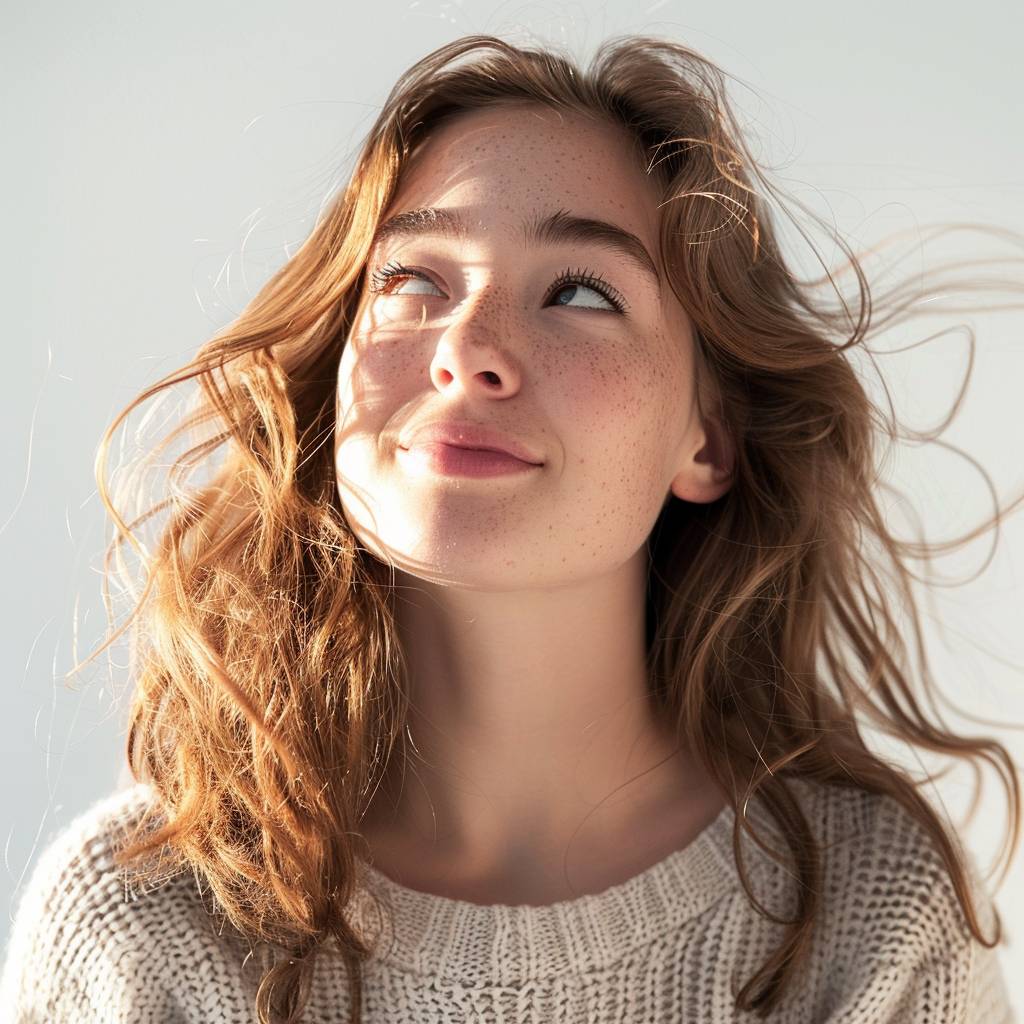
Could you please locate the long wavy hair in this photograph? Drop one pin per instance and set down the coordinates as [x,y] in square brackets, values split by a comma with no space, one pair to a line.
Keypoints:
[268,677]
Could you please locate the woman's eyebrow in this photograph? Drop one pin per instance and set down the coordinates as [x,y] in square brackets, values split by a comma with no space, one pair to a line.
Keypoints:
[553,229]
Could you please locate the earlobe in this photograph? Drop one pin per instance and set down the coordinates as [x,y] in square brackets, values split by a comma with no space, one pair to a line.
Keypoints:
[710,470]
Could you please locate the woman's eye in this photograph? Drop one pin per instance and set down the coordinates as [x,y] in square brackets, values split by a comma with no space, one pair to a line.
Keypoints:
[389,277]
[574,291]
[575,286]
[579,281]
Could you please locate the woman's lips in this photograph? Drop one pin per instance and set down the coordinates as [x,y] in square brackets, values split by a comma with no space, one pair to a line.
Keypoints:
[469,434]
[452,460]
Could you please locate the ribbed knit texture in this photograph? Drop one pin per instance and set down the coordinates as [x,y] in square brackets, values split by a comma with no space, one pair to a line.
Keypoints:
[669,945]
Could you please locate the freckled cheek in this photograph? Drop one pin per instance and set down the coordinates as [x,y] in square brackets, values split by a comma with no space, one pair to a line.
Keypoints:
[615,410]
[376,369]
[605,389]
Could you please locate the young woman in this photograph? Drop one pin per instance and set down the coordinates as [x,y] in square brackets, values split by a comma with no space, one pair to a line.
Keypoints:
[509,664]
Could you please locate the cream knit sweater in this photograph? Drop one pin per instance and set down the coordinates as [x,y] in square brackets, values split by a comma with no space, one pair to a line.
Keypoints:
[668,945]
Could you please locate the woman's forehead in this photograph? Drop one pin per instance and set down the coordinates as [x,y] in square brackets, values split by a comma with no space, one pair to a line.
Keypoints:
[512,161]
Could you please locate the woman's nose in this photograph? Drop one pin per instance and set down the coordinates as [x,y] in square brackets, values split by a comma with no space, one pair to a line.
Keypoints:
[472,351]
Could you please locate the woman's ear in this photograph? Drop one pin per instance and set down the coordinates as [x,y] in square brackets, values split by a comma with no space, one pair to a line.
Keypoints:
[708,466]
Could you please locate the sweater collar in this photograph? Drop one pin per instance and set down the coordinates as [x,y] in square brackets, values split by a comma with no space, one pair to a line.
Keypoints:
[440,937]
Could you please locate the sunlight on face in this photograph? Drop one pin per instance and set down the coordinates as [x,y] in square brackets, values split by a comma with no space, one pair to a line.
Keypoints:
[561,340]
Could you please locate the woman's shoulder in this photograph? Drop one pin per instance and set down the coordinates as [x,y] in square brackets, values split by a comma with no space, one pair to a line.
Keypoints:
[893,926]
[86,938]
[76,866]
[879,854]
[76,874]
[884,885]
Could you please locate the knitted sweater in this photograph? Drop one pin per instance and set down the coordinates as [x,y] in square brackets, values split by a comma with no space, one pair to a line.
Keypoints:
[670,944]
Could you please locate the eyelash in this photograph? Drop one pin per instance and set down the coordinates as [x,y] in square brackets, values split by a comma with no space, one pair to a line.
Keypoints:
[393,270]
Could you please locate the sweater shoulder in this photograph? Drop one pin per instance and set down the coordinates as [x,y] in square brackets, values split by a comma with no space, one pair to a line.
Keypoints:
[76,873]
[895,930]
[901,879]
[892,940]
[881,858]
[86,940]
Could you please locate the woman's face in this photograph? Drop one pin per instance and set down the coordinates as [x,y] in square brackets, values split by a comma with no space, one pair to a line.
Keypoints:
[480,330]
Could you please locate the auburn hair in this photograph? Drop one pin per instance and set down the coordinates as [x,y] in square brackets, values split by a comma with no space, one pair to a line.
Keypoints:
[268,690]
